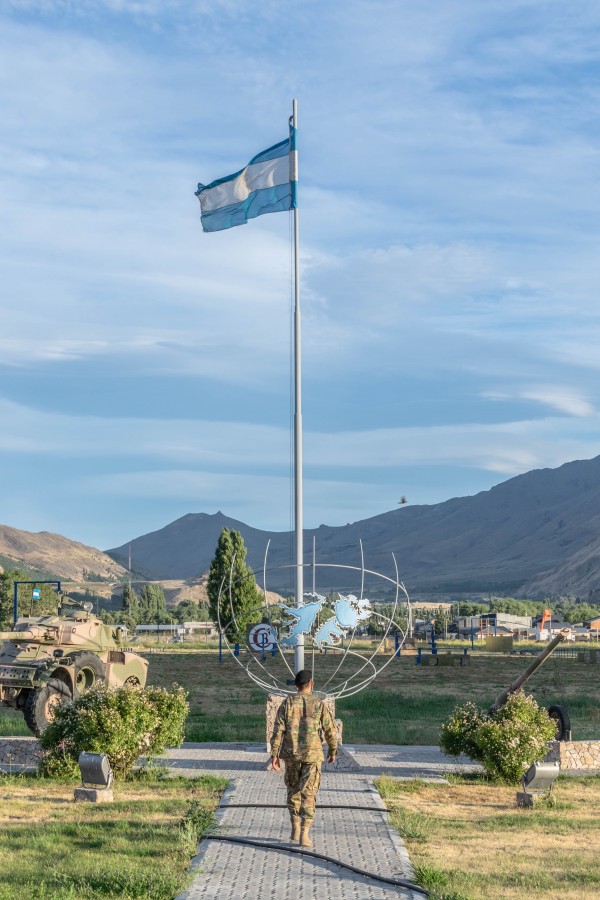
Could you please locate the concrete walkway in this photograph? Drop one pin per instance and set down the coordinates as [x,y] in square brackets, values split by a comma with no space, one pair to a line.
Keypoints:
[361,837]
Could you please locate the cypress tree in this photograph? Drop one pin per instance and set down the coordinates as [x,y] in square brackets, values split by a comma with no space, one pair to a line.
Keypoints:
[130,599]
[229,566]
[152,602]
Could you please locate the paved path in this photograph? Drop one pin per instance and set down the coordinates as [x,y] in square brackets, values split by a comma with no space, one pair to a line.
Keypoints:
[362,837]
[428,763]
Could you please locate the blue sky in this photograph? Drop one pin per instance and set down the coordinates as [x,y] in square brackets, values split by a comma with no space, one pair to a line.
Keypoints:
[449,194]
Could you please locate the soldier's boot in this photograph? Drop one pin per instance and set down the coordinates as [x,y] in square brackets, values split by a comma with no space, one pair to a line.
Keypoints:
[305,840]
[295,820]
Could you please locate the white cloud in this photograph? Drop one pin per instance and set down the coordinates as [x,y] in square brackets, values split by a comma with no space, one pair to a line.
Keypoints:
[219,444]
[566,401]
[508,448]
[562,398]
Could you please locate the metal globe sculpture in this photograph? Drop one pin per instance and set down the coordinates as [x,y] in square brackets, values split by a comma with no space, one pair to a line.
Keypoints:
[324,623]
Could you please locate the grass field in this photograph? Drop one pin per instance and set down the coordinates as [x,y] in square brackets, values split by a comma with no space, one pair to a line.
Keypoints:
[467,839]
[405,705]
[138,847]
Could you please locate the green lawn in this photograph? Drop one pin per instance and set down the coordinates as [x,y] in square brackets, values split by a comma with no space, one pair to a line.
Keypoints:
[405,705]
[137,848]
[12,724]
[468,840]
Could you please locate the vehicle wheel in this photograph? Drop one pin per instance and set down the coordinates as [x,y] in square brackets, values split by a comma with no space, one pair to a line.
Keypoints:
[133,681]
[88,671]
[560,717]
[21,699]
[41,704]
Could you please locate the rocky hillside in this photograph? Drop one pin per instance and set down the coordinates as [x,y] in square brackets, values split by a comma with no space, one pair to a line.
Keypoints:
[55,556]
[579,575]
[534,534]
[527,531]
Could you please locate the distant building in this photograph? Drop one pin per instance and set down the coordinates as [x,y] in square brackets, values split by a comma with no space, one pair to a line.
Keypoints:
[432,607]
[581,633]
[555,623]
[507,620]
[495,624]
[179,631]
[207,628]
[174,629]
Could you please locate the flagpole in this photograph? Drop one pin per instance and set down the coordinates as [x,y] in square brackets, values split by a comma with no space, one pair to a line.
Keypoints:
[298,525]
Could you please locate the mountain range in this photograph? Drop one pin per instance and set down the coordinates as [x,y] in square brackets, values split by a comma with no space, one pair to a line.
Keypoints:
[534,534]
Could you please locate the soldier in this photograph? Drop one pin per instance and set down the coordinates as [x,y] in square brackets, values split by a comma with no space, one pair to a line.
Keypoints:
[297,740]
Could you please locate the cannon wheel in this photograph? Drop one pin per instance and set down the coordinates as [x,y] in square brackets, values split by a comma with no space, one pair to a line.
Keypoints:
[560,717]
[41,704]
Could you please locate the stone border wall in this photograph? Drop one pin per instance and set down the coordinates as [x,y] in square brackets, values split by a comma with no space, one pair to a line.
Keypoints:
[19,754]
[574,754]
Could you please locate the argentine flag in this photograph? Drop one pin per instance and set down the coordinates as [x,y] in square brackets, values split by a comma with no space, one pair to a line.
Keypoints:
[267,184]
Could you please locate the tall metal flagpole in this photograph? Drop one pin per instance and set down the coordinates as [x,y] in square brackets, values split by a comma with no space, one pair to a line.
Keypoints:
[299,649]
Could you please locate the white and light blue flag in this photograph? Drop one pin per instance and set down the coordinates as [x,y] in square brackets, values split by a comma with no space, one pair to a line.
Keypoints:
[267,184]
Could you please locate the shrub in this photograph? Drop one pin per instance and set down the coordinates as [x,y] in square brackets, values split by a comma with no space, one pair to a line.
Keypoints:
[124,722]
[505,743]
[459,732]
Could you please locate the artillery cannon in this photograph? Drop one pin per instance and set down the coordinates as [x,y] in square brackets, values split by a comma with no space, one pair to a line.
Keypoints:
[557,713]
[48,659]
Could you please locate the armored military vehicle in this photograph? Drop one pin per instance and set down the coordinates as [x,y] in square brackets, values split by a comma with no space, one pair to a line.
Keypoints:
[51,658]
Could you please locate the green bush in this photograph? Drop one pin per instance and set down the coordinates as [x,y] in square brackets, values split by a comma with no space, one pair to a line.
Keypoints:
[505,743]
[124,722]
[459,732]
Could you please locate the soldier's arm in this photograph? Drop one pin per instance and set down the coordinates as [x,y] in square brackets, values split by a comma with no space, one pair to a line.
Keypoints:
[279,730]
[328,726]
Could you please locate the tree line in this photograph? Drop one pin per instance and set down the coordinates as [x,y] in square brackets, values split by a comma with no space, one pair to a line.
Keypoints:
[149,607]
[235,601]
[46,603]
[567,607]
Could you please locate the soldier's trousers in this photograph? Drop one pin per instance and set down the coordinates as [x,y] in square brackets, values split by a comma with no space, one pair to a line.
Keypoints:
[302,780]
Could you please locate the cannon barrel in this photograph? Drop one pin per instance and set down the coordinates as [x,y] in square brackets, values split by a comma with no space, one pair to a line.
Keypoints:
[19,636]
[531,668]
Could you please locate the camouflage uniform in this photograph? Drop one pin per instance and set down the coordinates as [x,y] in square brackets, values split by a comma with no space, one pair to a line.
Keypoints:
[297,740]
